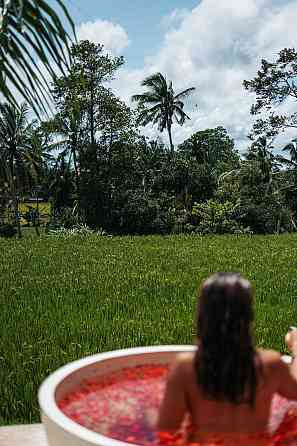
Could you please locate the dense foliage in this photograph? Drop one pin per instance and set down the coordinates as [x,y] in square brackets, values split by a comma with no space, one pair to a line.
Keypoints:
[96,168]
[275,85]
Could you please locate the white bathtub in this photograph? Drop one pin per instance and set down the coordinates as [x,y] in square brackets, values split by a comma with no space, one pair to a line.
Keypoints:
[61,430]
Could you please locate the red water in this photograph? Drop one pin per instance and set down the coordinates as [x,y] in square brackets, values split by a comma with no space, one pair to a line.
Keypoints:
[124,405]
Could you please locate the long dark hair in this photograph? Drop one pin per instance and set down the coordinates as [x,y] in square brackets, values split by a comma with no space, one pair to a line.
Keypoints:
[225,359]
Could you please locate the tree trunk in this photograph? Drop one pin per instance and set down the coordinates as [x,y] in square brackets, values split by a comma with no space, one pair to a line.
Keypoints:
[111,136]
[37,223]
[170,136]
[14,199]
[92,106]
[76,171]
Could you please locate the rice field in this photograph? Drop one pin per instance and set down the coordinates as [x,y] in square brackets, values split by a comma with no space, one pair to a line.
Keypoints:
[62,299]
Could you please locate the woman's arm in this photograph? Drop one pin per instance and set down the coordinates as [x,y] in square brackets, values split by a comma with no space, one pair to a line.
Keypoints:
[174,406]
[287,373]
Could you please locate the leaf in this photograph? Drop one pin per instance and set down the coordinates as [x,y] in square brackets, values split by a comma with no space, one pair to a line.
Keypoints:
[30,33]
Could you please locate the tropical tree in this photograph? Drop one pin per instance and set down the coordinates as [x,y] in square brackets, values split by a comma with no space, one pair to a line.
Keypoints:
[214,148]
[160,105]
[70,135]
[290,148]
[61,184]
[32,38]
[84,87]
[289,180]
[260,151]
[275,85]
[259,164]
[18,156]
[81,99]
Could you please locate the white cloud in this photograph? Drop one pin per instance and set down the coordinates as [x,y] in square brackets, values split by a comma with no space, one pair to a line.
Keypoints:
[175,17]
[112,36]
[214,48]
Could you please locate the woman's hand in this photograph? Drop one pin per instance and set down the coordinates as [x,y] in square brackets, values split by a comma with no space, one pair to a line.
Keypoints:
[291,341]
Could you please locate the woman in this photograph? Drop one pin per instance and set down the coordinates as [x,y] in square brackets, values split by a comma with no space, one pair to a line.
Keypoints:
[227,385]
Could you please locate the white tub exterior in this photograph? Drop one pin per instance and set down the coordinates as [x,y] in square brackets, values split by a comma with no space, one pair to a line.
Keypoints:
[61,431]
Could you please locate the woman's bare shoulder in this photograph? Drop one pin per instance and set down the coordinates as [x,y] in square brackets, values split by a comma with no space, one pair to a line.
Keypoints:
[269,358]
[184,361]
[268,354]
[185,357]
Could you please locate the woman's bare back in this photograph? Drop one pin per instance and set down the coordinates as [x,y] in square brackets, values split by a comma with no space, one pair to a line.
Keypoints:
[214,416]
[183,395]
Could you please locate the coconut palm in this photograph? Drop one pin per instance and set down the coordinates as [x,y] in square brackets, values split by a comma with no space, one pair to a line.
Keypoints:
[33,41]
[18,156]
[72,137]
[291,164]
[61,184]
[291,148]
[160,105]
[268,164]
[260,151]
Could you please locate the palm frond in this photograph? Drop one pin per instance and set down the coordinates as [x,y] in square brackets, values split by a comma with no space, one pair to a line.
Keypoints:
[292,149]
[286,161]
[180,115]
[225,175]
[155,81]
[31,32]
[184,93]
[146,97]
[58,145]
[148,115]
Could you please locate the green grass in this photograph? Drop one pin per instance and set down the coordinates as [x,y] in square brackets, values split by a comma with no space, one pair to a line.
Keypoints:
[64,299]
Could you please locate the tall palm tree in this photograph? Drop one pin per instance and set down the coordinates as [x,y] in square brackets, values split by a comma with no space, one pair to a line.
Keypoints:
[260,151]
[61,185]
[291,164]
[32,37]
[266,162]
[72,137]
[160,105]
[18,157]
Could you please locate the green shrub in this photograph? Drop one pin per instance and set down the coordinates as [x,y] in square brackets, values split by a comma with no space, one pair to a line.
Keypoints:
[80,230]
[213,217]
[65,218]
[266,218]
[7,231]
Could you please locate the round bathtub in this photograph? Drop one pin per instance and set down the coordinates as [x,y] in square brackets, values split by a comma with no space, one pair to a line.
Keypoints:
[61,430]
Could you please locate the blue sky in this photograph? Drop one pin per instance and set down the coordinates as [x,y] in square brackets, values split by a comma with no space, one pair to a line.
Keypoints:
[142,19]
[212,45]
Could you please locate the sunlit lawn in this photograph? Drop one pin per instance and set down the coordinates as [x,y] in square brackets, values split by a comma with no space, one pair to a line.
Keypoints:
[64,299]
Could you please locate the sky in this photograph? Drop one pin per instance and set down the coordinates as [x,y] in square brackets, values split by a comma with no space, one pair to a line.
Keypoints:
[212,45]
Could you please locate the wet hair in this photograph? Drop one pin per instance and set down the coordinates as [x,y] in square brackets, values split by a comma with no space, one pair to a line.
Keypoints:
[226,358]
